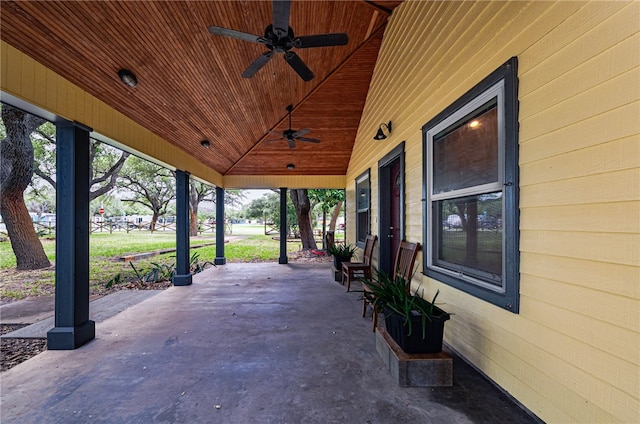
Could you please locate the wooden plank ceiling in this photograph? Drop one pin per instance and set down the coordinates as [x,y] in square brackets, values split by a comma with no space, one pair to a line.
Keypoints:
[189,84]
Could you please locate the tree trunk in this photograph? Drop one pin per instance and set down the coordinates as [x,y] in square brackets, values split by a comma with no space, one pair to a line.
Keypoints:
[193,222]
[334,216]
[16,171]
[154,219]
[193,210]
[22,235]
[300,199]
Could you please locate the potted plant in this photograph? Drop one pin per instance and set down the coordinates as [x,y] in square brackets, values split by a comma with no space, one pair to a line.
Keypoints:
[341,253]
[416,325]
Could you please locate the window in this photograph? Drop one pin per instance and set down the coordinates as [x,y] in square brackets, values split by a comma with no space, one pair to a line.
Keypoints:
[363,205]
[471,185]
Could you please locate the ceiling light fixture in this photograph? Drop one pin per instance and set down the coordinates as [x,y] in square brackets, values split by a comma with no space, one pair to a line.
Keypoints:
[205,144]
[127,77]
[290,166]
[380,135]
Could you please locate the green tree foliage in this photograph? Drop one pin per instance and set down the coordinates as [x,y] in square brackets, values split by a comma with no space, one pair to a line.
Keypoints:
[40,200]
[267,208]
[197,193]
[147,184]
[105,162]
[328,200]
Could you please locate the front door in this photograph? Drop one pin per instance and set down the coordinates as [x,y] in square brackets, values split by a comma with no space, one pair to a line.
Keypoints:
[391,185]
[394,207]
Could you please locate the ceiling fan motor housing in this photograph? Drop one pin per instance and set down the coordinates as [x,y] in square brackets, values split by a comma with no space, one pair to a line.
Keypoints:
[278,45]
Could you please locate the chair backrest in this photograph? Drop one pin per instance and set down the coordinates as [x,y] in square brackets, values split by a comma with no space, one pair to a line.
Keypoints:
[368,249]
[405,259]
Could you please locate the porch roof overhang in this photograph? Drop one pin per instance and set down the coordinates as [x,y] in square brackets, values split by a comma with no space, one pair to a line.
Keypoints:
[190,87]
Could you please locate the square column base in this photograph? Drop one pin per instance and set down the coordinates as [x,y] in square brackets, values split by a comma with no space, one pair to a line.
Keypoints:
[220,261]
[182,280]
[69,338]
[414,370]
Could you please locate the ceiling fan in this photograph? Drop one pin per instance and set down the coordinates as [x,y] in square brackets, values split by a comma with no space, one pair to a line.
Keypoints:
[279,38]
[291,135]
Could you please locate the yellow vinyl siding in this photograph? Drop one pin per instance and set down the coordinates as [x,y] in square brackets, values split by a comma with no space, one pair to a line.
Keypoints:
[617,217]
[610,125]
[572,353]
[616,155]
[609,95]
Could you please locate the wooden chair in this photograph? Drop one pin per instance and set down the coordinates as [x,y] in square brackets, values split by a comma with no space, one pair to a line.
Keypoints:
[352,271]
[402,267]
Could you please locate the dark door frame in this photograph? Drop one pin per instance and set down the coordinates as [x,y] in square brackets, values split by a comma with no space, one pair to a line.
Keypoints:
[385,260]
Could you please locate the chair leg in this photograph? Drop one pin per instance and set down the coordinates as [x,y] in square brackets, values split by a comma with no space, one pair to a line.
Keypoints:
[364,306]
[348,282]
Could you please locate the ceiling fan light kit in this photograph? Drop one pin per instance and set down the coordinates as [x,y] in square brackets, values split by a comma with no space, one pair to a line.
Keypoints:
[279,38]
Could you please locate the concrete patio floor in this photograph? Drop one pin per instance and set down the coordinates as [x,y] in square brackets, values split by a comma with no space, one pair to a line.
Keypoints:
[246,343]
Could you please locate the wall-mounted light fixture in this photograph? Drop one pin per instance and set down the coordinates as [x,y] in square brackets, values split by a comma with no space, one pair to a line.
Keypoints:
[205,144]
[127,77]
[290,166]
[381,135]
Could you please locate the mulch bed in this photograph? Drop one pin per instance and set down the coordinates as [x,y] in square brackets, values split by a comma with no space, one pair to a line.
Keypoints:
[16,351]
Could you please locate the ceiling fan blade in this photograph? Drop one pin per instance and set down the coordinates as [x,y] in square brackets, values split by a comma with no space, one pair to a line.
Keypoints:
[321,40]
[300,132]
[298,65]
[231,33]
[257,64]
[310,140]
[292,145]
[281,10]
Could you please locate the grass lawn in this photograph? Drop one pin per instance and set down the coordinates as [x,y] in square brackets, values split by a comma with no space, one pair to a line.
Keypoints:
[106,249]
[488,248]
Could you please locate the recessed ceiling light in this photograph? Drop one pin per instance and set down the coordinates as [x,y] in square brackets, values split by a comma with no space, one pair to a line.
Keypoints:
[205,144]
[290,166]
[127,77]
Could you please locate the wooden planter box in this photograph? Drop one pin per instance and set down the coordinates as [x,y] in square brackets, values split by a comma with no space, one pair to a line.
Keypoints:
[414,342]
[414,369]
